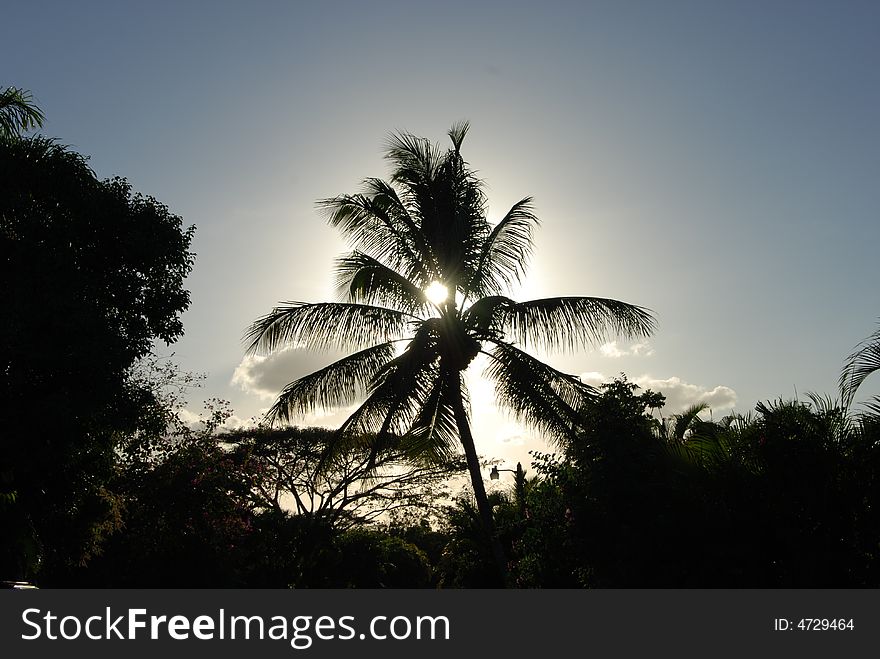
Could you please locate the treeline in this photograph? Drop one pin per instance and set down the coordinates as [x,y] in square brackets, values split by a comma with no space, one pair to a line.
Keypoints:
[783,498]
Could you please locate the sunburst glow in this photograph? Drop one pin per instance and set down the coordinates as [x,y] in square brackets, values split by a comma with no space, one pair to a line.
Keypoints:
[437,293]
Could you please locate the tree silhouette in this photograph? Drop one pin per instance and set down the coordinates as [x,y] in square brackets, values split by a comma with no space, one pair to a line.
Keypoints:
[289,472]
[92,277]
[426,231]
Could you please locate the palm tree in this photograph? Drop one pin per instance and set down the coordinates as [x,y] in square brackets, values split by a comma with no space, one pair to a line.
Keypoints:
[18,112]
[864,361]
[429,271]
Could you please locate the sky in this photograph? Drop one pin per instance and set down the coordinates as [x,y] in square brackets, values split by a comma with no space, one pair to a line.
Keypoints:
[716,162]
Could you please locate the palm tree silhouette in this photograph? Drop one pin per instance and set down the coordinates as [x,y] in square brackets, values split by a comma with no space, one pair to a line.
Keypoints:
[425,232]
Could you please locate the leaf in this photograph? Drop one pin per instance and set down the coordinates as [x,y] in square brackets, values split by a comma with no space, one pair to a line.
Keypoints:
[537,393]
[572,322]
[506,252]
[325,326]
[335,385]
[363,279]
[864,361]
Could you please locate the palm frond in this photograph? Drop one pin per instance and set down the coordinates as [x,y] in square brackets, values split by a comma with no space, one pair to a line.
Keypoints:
[387,200]
[537,393]
[454,221]
[704,450]
[686,419]
[434,433]
[457,134]
[415,158]
[824,404]
[864,361]
[506,252]
[362,279]
[325,325]
[872,407]
[396,398]
[372,225]
[571,322]
[396,391]
[445,201]
[18,112]
[336,385]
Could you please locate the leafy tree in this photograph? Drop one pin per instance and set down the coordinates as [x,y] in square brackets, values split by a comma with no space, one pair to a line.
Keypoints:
[467,559]
[372,559]
[188,523]
[93,275]
[544,549]
[18,112]
[203,507]
[430,272]
[786,497]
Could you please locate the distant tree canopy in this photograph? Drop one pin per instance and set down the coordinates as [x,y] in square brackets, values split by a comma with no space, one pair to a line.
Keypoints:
[293,469]
[92,275]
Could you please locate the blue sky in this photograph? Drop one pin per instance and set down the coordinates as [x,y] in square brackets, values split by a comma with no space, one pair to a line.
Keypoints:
[717,162]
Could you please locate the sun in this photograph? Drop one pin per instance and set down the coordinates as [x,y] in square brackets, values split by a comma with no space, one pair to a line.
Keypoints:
[436,293]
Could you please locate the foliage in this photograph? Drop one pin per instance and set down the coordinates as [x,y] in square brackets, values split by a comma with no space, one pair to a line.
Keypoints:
[18,112]
[787,498]
[203,507]
[467,560]
[93,275]
[187,524]
[864,361]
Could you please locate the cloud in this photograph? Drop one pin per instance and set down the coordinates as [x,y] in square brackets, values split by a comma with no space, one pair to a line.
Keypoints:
[267,376]
[190,419]
[235,422]
[679,394]
[594,378]
[195,421]
[612,350]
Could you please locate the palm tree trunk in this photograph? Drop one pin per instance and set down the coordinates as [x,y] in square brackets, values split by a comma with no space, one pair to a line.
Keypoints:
[473,463]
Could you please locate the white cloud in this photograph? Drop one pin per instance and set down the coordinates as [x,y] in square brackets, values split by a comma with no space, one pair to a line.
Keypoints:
[594,378]
[267,376]
[612,350]
[190,419]
[679,394]
[195,421]
[235,422]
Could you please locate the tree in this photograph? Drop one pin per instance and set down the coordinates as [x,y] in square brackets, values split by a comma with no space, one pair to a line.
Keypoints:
[784,498]
[187,522]
[18,112]
[352,488]
[429,271]
[92,276]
